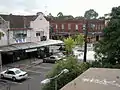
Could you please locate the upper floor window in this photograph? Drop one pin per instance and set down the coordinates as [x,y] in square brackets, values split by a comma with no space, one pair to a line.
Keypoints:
[69,26]
[96,27]
[19,34]
[76,26]
[62,26]
[99,27]
[37,33]
[40,33]
[56,26]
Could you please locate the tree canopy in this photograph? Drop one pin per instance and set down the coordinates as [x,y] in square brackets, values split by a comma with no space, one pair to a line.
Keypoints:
[79,40]
[91,14]
[108,49]
[60,14]
[1,35]
[75,69]
[69,44]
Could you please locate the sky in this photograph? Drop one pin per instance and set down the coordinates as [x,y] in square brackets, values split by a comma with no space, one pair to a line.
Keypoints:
[67,7]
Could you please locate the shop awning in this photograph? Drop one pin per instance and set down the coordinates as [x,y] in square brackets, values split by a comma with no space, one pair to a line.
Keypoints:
[50,42]
[25,45]
[29,45]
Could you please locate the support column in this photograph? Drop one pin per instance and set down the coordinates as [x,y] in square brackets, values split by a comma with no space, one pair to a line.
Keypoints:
[0,61]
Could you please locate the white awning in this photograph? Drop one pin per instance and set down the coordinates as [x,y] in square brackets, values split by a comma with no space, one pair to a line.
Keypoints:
[50,42]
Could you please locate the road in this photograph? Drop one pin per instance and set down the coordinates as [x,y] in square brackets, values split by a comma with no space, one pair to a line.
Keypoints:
[36,75]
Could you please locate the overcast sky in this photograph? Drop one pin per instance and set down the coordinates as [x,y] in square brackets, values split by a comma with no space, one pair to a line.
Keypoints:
[68,7]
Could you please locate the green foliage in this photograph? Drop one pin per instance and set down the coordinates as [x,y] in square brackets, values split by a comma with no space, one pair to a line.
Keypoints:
[79,40]
[51,29]
[75,69]
[91,14]
[99,64]
[108,49]
[1,35]
[60,14]
[69,44]
[79,18]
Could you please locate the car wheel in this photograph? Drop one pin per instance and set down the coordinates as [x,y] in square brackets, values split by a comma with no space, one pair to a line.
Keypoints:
[2,76]
[13,78]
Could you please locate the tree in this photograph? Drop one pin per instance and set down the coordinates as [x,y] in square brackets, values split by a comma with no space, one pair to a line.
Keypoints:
[75,69]
[108,49]
[79,40]
[69,44]
[79,18]
[1,35]
[91,14]
[60,14]
[50,16]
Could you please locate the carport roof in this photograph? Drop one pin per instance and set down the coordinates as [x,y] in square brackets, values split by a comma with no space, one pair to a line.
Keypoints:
[50,42]
[29,45]
[7,48]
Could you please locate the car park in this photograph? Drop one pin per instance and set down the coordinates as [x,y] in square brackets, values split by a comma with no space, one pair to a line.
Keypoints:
[14,74]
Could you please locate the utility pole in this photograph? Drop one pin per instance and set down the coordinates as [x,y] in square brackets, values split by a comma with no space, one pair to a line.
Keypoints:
[85,45]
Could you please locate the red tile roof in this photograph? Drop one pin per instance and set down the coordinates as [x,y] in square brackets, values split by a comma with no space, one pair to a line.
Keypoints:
[17,21]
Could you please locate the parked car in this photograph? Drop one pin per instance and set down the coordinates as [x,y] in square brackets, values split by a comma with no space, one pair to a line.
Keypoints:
[14,74]
[51,59]
[61,55]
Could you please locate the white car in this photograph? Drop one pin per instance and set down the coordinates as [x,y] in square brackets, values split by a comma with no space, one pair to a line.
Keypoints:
[61,55]
[14,74]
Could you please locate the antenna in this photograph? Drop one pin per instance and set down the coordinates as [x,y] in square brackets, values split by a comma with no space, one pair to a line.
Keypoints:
[46,12]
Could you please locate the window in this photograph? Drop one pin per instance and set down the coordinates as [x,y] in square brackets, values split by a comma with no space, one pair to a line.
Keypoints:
[62,26]
[40,33]
[102,27]
[98,27]
[11,72]
[56,26]
[21,34]
[17,71]
[69,26]
[37,33]
[76,27]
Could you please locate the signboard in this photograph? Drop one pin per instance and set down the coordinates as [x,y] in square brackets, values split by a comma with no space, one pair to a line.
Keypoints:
[31,50]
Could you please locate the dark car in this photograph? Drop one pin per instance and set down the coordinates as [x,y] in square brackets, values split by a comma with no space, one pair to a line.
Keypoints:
[51,59]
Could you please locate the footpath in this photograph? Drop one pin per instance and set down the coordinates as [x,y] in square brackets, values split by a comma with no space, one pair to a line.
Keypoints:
[23,64]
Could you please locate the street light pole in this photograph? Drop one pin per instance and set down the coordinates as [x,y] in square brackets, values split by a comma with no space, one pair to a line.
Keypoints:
[85,46]
[55,78]
[56,84]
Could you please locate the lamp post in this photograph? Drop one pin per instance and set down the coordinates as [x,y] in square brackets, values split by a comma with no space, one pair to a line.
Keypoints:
[85,28]
[55,78]
[0,61]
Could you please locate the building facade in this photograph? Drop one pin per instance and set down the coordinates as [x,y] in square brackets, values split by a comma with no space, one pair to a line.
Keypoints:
[23,29]
[21,36]
[72,27]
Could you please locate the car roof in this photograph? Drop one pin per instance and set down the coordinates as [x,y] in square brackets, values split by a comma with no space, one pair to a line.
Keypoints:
[14,69]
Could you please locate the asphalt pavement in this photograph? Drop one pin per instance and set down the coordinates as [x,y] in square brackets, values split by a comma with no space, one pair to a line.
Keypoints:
[36,71]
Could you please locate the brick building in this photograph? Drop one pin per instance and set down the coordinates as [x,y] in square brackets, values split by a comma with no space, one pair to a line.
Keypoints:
[72,27]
